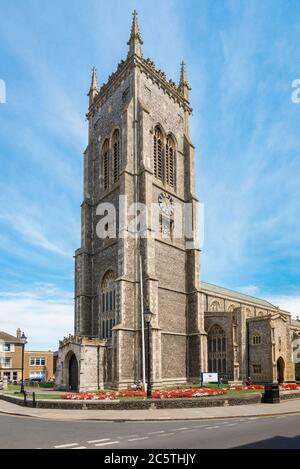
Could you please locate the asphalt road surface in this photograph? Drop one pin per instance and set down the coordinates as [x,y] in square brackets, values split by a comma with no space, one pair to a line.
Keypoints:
[260,432]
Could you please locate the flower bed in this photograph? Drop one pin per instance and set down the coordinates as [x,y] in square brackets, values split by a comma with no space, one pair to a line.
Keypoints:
[156,394]
[201,392]
[243,388]
[290,387]
[287,387]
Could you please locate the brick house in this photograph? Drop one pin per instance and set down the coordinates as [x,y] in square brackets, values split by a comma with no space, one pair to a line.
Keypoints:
[10,356]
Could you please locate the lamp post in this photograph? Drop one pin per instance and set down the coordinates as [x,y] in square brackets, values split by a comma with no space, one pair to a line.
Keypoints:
[24,342]
[148,316]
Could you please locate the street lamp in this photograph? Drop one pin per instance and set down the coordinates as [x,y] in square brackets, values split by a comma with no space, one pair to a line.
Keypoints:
[23,342]
[148,316]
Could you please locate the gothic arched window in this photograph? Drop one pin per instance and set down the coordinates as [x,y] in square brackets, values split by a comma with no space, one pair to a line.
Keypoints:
[170,161]
[217,350]
[157,154]
[105,164]
[256,339]
[108,305]
[116,154]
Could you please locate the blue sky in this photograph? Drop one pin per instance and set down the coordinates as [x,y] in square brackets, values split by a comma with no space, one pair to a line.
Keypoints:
[241,57]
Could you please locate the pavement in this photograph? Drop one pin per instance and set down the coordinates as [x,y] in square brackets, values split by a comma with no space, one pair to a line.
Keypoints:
[286,407]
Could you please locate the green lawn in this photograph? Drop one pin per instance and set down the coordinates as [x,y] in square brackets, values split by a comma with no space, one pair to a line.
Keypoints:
[13,390]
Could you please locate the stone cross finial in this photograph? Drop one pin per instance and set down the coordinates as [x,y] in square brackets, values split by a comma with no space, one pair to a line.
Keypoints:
[135,41]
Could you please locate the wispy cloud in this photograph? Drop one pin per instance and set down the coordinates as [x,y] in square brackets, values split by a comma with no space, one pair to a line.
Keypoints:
[45,313]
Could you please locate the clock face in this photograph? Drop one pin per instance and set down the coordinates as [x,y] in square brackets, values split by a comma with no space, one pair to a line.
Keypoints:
[166,203]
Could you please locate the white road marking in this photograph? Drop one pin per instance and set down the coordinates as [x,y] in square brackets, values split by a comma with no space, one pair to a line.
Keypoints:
[127,436]
[155,433]
[231,424]
[107,443]
[167,434]
[66,445]
[79,447]
[179,429]
[98,441]
[140,438]
[208,428]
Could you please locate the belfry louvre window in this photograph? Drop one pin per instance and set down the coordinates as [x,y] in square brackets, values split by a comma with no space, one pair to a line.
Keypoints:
[116,154]
[157,154]
[105,164]
[170,152]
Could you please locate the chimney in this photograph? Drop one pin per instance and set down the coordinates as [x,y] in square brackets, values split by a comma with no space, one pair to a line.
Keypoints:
[19,332]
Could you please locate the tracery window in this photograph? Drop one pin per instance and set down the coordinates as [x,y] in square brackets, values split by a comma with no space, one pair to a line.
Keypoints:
[116,154]
[157,154]
[169,164]
[256,339]
[105,164]
[217,354]
[108,306]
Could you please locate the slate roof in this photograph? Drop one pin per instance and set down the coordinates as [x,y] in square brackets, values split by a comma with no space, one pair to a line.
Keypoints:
[214,289]
[9,338]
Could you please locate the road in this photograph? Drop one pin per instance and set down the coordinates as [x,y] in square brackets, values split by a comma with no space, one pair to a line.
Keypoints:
[260,432]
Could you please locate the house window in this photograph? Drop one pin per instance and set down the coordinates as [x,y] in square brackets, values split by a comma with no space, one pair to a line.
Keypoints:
[37,361]
[256,369]
[116,154]
[6,347]
[5,362]
[15,375]
[157,154]
[256,339]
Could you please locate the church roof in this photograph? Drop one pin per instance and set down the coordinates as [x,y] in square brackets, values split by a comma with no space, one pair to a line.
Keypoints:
[295,323]
[5,337]
[208,287]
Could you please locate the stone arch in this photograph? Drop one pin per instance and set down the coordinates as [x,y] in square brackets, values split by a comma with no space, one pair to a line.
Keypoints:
[71,371]
[215,306]
[231,308]
[280,370]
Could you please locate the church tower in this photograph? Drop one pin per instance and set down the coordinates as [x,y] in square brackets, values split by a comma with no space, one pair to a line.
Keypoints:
[139,152]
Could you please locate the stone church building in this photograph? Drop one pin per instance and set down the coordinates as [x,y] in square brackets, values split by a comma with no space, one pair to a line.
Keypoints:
[139,145]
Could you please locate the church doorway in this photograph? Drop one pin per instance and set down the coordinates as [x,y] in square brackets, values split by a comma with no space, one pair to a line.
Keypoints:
[280,370]
[73,373]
